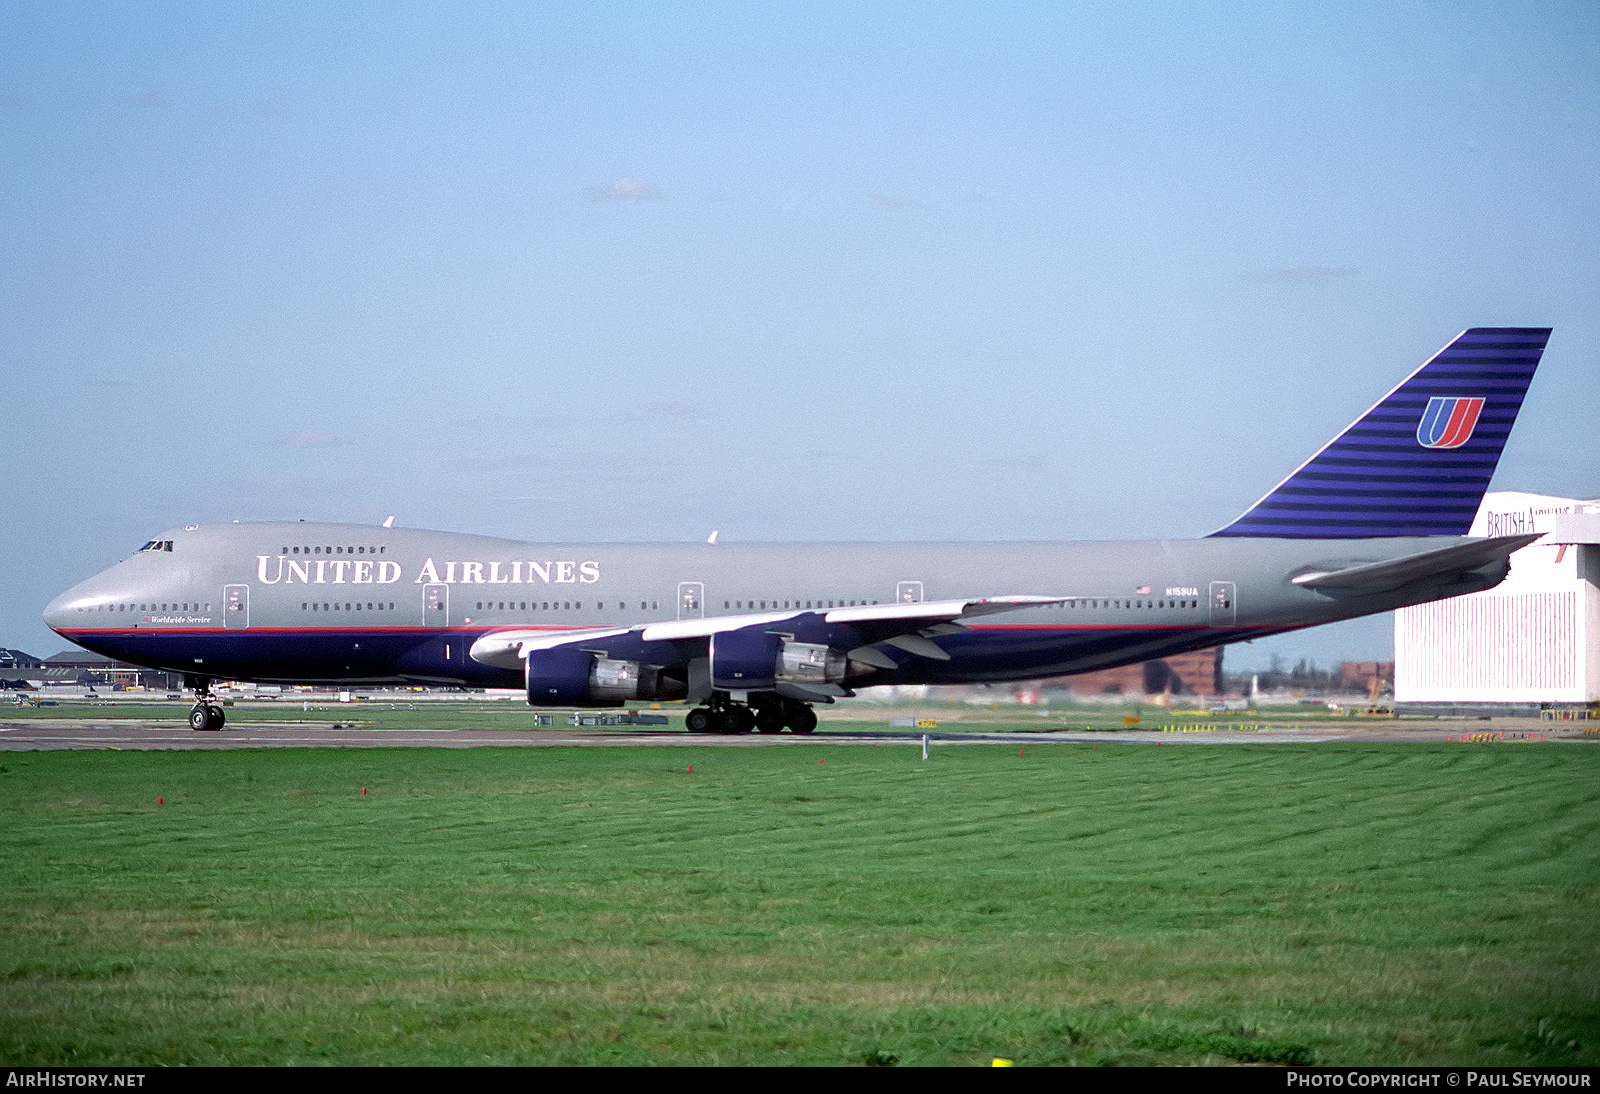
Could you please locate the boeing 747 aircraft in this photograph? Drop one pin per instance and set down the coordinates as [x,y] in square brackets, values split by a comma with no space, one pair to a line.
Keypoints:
[754,634]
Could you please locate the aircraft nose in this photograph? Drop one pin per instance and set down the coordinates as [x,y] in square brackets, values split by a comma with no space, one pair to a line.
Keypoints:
[59,611]
[66,611]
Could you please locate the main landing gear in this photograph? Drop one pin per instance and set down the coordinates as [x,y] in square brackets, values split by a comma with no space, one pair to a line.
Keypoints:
[206,715]
[764,713]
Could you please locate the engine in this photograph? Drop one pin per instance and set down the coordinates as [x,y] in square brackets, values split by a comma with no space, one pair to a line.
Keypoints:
[578,678]
[752,660]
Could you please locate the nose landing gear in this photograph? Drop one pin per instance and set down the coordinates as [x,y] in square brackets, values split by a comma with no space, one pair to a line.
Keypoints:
[206,715]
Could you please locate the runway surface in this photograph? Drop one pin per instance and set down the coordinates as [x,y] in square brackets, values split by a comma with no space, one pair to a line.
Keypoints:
[42,735]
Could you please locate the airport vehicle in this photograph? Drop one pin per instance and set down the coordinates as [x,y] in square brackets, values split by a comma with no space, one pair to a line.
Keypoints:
[755,634]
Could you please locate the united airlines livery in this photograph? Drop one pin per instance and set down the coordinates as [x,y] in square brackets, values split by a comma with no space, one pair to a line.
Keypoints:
[754,634]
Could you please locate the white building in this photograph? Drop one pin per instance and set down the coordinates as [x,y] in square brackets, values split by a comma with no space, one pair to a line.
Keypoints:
[1532,640]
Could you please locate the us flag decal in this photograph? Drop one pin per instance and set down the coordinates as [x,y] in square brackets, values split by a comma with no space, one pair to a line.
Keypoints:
[1448,422]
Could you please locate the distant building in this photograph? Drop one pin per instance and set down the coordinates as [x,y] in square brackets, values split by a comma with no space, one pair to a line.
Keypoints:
[82,669]
[1362,675]
[1531,642]
[16,659]
[1197,674]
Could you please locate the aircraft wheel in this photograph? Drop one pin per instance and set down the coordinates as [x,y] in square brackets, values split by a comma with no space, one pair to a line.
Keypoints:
[741,720]
[769,720]
[699,720]
[802,720]
[217,717]
[200,719]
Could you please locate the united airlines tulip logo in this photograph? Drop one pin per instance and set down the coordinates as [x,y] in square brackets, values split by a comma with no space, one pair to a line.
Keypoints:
[1449,421]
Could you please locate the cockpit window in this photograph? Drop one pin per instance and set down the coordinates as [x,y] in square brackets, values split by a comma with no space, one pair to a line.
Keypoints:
[157,545]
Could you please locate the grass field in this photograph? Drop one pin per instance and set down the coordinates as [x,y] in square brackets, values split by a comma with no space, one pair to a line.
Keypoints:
[1119,904]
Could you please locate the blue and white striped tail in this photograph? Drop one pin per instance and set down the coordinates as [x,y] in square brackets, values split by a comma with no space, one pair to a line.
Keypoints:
[1416,464]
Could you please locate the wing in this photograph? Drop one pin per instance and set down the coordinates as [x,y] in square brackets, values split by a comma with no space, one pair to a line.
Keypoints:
[806,654]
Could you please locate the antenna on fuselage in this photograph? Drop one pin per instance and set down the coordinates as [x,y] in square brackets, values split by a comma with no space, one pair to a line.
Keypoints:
[388,521]
[712,538]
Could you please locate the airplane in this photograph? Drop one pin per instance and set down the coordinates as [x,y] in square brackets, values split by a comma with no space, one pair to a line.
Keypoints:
[753,636]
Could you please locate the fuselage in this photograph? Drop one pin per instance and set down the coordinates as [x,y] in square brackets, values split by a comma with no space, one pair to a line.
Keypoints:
[339,603]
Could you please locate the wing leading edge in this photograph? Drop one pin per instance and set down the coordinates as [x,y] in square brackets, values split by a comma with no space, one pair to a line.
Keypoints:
[889,624]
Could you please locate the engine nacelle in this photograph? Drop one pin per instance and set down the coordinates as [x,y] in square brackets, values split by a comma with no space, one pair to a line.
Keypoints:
[811,663]
[578,678]
[754,660]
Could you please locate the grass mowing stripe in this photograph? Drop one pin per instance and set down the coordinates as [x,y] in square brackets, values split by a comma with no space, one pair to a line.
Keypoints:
[1337,903]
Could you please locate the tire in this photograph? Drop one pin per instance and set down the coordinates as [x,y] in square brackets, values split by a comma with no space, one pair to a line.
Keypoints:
[218,719]
[741,720]
[698,720]
[200,719]
[769,720]
[802,720]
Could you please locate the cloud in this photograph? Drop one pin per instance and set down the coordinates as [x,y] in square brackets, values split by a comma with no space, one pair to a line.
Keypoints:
[894,201]
[626,188]
[1304,275]
[310,438]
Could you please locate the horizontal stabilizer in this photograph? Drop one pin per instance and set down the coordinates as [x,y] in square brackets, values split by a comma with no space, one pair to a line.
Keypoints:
[1395,572]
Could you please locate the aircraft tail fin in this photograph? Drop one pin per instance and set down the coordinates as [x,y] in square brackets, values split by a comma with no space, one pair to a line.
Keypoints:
[1418,462]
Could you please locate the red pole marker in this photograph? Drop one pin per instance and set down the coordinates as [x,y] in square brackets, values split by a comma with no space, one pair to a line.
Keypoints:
[363,791]
[1019,752]
[691,769]
[1097,748]
[161,801]
[819,760]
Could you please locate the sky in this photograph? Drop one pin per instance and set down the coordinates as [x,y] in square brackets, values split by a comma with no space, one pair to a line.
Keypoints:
[857,271]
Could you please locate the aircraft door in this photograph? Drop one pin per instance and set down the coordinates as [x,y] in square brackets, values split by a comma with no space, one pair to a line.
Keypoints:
[1222,604]
[236,607]
[908,592]
[691,600]
[436,605]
